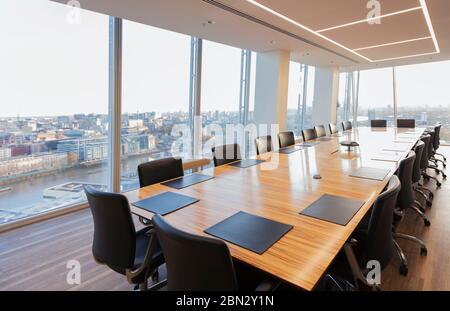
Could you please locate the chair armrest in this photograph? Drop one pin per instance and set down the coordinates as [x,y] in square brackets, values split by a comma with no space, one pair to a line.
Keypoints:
[131,274]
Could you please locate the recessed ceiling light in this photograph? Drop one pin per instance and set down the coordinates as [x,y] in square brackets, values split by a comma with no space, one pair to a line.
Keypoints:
[426,14]
[392,43]
[423,6]
[272,42]
[370,19]
[267,9]
[406,56]
[211,22]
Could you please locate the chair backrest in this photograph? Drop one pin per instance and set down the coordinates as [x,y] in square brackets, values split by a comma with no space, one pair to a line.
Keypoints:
[406,123]
[347,125]
[432,134]
[404,173]
[226,154]
[378,123]
[309,134]
[418,149]
[263,144]
[114,241]
[333,128]
[437,134]
[320,131]
[194,263]
[160,170]
[424,158]
[380,242]
[286,139]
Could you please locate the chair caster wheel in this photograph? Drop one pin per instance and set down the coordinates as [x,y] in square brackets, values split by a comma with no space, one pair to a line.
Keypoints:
[403,269]
[444,176]
[427,178]
[429,203]
[431,196]
[439,185]
[423,251]
[426,222]
[422,209]
[437,171]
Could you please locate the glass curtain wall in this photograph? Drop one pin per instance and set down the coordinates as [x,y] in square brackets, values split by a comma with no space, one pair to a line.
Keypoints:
[54,106]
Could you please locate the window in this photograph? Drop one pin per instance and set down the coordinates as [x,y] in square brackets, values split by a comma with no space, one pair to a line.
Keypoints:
[376,100]
[295,98]
[308,110]
[299,110]
[345,101]
[155,97]
[423,94]
[54,99]
[221,76]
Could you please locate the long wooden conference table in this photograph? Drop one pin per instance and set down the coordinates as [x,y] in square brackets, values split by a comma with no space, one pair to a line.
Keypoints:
[283,187]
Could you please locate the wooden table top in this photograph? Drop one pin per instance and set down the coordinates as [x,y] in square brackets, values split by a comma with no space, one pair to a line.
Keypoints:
[281,188]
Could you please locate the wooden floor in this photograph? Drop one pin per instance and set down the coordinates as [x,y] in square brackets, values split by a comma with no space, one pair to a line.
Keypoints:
[35,257]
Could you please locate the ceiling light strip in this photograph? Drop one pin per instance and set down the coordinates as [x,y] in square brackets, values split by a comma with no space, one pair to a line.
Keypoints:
[392,43]
[407,56]
[371,19]
[267,9]
[423,4]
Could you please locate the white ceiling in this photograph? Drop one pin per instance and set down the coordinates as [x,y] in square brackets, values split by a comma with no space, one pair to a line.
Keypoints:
[300,26]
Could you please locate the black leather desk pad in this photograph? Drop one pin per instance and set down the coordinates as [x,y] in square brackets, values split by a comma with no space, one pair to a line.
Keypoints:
[288,150]
[370,173]
[165,203]
[386,157]
[308,144]
[251,232]
[335,209]
[246,163]
[187,181]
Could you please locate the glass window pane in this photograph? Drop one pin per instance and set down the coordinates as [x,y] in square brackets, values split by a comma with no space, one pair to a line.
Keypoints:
[155,97]
[344,109]
[307,118]
[376,100]
[423,94]
[295,91]
[54,105]
[221,74]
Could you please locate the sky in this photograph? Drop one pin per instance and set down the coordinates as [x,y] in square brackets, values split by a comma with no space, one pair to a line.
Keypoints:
[51,67]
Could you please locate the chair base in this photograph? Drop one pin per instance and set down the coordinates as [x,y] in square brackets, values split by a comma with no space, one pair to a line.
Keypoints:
[403,269]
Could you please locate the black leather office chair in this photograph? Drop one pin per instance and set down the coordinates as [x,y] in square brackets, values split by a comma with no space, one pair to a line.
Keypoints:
[436,144]
[376,241]
[431,151]
[263,144]
[309,134]
[378,123]
[406,123]
[417,174]
[347,125]
[320,131]
[160,170]
[157,171]
[197,263]
[424,163]
[438,141]
[225,154]
[406,200]
[116,242]
[333,128]
[286,139]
